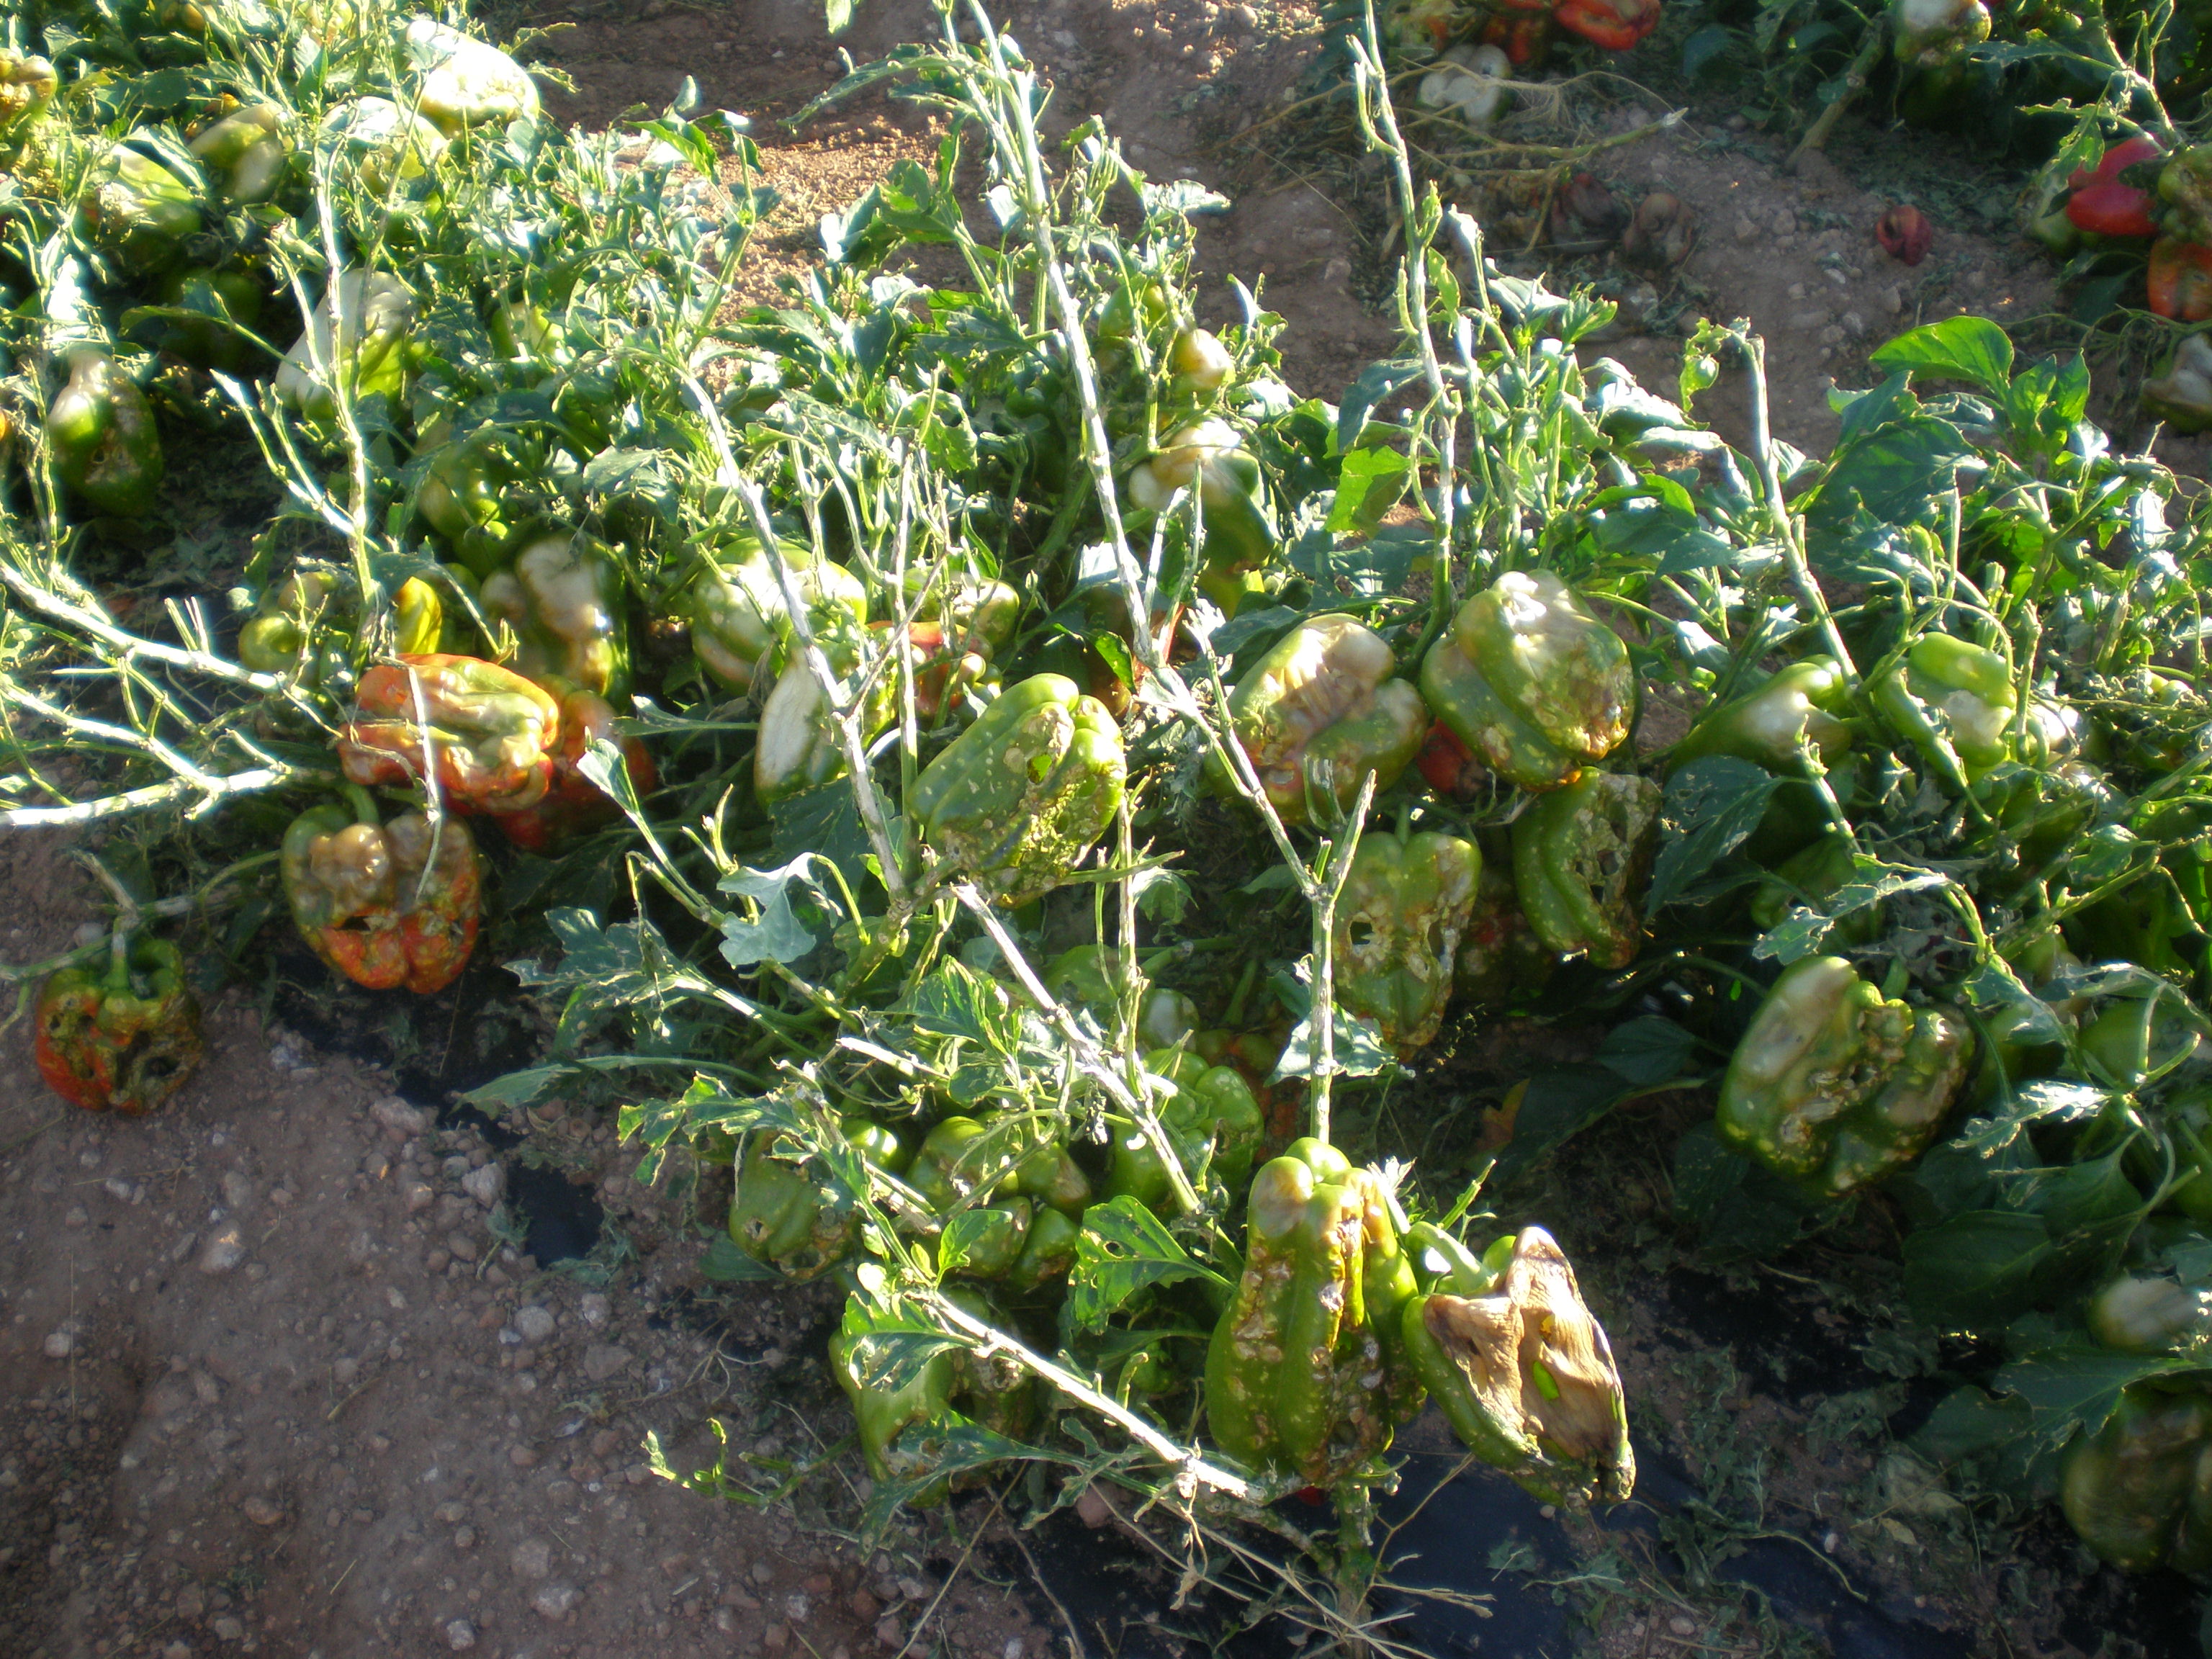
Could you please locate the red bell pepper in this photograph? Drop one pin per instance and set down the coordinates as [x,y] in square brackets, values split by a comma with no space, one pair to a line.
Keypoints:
[1450,765]
[1616,25]
[2181,280]
[487,734]
[1524,39]
[2104,204]
[572,801]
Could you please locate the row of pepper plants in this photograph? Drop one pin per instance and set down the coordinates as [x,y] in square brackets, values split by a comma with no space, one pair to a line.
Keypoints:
[1059,786]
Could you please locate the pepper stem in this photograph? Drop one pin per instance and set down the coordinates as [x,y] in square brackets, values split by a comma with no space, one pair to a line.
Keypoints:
[363,804]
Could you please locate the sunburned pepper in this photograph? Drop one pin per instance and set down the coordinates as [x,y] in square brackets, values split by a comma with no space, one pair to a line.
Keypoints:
[462,84]
[1294,1375]
[1320,711]
[1519,1366]
[561,595]
[27,85]
[1531,682]
[957,648]
[1016,800]
[1581,856]
[573,802]
[1206,456]
[244,153]
[120,1035]
[1404,906]
[2139,1490]
[1953,700]
[105,444]
[2180,282]
[1806,702]
[304,624]
[1835,1087]
[2102,203]
[487,735]
[790,1212]
[1930,35]
[137,210]
[1500,959]
[385,905]
[1616,25]
[1198,363]
[390,150]
[1203,1107]
[359,338]
[740,626]
[2150,1313]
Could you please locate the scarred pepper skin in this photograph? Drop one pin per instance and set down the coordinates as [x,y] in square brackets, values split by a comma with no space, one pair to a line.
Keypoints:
[385,905]
[1520,1367]
[740,627]
[2102,204]
[1581,855]
[791,1214]
[1531,682]
[1399,921]
[121,1035]
[2180,281]
[1206,456]
[573,802]
[1500,959]
[27,85]
[1294,1373]
[2139,1491]
[1320,711]
[490,736]
[1202,1105]
[1018,799]
[137,210]
[1954,700]
[561,595]
[1835,1087]
[1804,703]
[105,443]
[1616,25]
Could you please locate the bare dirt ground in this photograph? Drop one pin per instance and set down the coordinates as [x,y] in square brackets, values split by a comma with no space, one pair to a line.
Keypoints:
[276,1375]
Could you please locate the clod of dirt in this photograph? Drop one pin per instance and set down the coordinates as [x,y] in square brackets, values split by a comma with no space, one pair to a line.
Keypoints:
[1660,235]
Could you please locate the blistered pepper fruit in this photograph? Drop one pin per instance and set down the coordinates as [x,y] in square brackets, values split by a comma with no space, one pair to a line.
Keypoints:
[120,1035]
[1320,711]
[1405,906]
[1581,858]
[387,905]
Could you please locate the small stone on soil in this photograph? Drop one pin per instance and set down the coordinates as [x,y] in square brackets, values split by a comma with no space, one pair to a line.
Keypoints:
[460,1635]
[554,1600]
[224,1250]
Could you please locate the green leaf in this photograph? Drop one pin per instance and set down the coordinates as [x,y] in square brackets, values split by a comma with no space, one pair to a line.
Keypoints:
[1650,1050]
[1963,347]
[2069,1390]
[1122,1249]
[956,1001]
[1976,1270]
[1805,931]
[1712,806]
[1368,483]
[1555,1105]
[725,1264]
[1742,1209]
[777,936]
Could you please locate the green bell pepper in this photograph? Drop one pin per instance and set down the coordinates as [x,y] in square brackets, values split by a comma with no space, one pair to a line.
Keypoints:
[1405,906]
[2139,1491]
[1519,1366]
[1953,700]
[562,594]
[1205,1108]
[1810,877]
[1016,800]
[27,85]
[464,497]
[360,334]
[1320,711]
[1207,456]
[1086,976]
[793,1214]
[740,628]
[1835,1087]
[138,212]
[1047,1253]
[102,432]
[1294,1374]
[389,150]
[222,298]
[1500,959]
[1531,682]
[244,153]
[894,1423]
[2186,1118]
[1581,855]
[1805,702]
[305,624]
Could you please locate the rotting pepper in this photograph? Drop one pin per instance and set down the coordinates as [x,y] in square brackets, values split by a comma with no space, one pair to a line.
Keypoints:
[790,1212]
[1405,906]
[122,1034]
[740,626]
[1928,35]
[1581,856]
[105,443]
[797,747]
[137,210]
[487,735]
[1322,710]
[2139,1490]
[1835,1086]
[1804,703]
[1016,800]
[463,83]
[387,905]
[27,85]
[1207,456]
[573,802]
[2184,189]
[1295,1373]
[561,595]
[1518,1364]
[1531,682]
[1203,1105]
[2179,285]
[1954,700]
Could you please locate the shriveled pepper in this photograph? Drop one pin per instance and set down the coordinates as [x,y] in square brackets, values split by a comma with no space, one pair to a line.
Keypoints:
[573,802]
[1953,700]
[1207,456]
[1581,856]
[1806,701]
[487,735]
[1519,1366]
[1294,1374]
[385,904]
[1531,682]
[1320,711]
[1203,1106]
[1405,906]
[2180,281]
[106,446]
[1834,1086]
[137,210]
[121,1035]
[739,623]
[790,1212]
[1018,799]
[2102,203]
[360,337]
[2139,1490]
[562,594]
